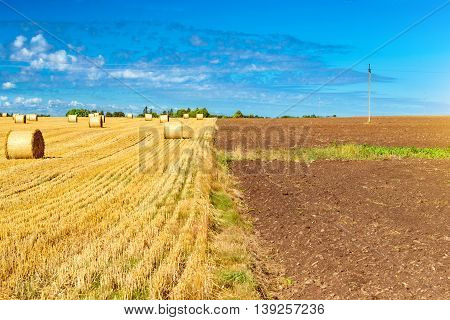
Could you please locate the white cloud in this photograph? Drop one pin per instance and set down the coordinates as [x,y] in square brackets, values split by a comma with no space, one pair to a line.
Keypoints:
[39,44]
[75,104]
[3,98]
[174,75]
[19,41]
[8,85]
[39,55]
[27,101]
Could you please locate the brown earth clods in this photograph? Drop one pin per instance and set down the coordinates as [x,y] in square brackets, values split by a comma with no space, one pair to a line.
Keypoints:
[355,229]
[288,133]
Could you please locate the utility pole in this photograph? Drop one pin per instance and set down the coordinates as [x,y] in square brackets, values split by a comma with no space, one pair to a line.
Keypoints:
[368,95]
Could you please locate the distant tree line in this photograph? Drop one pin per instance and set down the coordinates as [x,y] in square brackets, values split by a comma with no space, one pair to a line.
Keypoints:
[178,113]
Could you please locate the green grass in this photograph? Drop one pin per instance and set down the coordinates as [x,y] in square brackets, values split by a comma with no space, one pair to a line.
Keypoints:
[228,215]
[339,152]
[230,277]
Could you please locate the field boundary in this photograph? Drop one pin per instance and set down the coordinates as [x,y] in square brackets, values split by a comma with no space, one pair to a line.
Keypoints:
[336,152]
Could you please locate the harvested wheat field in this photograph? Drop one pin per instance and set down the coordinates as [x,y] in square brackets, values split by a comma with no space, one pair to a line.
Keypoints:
[113,212]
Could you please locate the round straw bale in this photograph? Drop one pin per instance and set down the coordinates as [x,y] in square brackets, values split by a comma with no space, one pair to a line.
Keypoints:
[148,117]
[73,118]
[4,114]
[199,116]
[185,115]
[173,130]
[20,118]
[164,118]
[24,145]
[32,117]
[96,122]
[129,115]
[177,130]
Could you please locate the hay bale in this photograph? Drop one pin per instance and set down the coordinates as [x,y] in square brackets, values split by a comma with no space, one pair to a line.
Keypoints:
[185,115]
[177,130]
[96,122]
[24,145]
[72,118]
[32,117]
[20,118]
[4,114]
[148,117]
[103,118]
[199,116]
[129,115]
[164,118]
[91,115]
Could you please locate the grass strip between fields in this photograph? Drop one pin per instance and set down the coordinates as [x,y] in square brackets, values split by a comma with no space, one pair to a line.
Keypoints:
[231,237]
[336,152]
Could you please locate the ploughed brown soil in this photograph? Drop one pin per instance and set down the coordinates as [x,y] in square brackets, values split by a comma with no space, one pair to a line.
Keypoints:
[354,229]
[287,133]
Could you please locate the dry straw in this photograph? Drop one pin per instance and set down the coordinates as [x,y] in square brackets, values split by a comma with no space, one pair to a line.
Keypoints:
[32,117]
[72,118]
[91,115]
[24,145]
[96,122]
[199,116]
[129,115]
[164,118]
[186,116]
[20,118]
[4,114]
[148,117]
[177,130]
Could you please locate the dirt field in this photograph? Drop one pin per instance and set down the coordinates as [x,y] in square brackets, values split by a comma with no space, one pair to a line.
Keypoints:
[287,133]
[117,212]
[355,229]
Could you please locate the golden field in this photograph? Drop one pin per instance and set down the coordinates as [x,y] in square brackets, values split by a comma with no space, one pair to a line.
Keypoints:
[109,213]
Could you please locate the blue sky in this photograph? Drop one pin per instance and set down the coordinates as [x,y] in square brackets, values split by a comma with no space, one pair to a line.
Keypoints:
[263,57]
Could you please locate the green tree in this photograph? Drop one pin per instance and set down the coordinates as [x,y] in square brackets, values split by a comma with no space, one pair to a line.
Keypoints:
[238,114]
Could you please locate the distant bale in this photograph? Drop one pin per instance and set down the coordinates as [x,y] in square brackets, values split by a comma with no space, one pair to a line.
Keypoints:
[103,118]
[177,130]
[32,117]
[20,118]
[148,117]
[72,118]
[4,114]
[24,145]
[129,115]
[186,116]
[164,118]
[199,116]
[96,122]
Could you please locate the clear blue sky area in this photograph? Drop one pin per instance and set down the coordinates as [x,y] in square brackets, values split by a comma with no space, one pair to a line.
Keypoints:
[269,58]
